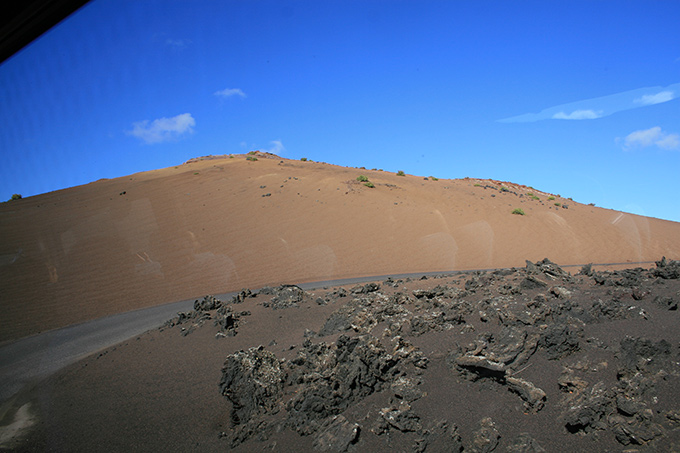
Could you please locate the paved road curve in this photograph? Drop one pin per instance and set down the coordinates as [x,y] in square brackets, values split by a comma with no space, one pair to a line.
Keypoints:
[30,359]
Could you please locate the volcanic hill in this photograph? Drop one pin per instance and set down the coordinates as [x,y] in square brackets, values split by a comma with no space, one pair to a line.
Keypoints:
[222,223]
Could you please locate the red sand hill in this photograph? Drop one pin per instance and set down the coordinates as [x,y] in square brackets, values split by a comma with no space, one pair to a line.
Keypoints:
[215,225]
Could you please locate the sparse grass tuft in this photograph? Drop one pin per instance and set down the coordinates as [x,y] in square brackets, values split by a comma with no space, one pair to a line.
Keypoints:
[518,211]
[534,197]
[478,185]
[362,178]
[369,184]
[434,179]
[401,173]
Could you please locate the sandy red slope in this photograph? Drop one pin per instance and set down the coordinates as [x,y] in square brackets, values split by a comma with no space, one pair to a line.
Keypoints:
[217,225]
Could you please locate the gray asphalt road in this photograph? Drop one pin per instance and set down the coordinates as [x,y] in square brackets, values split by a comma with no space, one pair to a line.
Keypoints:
[30,359]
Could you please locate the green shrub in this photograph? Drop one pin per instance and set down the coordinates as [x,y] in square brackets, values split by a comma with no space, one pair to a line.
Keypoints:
[303,159]
[534,197]
[362,178]
[401,173]
[478,185]
[591,204]
[518,211]
[434,179]
[16,196]
[253,158]
[551,198]
[558,204]
[369,184]
[252,152]
[505,189]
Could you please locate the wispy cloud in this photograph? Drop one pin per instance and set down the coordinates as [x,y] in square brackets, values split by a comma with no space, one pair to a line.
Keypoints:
[178,43]
[653,136]
[163,129]
[276,148]
[594,108]
[578,115]
[229,92]
[658,98]
[668,141]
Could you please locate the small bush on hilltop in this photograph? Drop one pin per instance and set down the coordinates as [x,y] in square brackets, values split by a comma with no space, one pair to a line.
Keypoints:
[518,211]
[434,179]
[362,178]
[401,173]
[16,196]
[303,159]
[253,158]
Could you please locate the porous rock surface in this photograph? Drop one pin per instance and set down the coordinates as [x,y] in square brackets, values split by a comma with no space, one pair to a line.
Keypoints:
[527,359]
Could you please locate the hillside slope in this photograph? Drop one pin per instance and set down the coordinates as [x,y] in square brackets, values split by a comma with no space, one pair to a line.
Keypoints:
[220,224]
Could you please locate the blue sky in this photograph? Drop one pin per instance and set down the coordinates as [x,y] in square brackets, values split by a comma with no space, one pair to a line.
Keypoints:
[579,98]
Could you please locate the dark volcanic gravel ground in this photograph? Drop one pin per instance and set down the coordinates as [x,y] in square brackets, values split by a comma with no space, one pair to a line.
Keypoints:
[531,359]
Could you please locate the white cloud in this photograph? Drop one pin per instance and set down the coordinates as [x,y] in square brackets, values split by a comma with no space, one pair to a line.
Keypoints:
[589,109]
[277,147]
[669,141]
[653,136]
[578,115]
[229,92]
[178,43]
[658,98]
[643,138]
[163,129]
